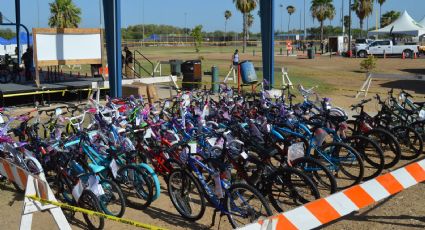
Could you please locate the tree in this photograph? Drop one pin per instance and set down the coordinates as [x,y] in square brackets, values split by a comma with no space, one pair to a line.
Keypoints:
[389,17]
[227,15]
[245,7]
[249,22]
[380,2]
[197,36]
[322,10]
[64,14]
[347,22]
[291,10]
[363,9]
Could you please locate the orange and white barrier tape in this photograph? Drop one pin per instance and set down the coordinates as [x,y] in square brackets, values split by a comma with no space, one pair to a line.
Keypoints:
[325,210]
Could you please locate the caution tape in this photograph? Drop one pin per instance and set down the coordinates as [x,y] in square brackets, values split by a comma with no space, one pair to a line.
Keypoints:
[94,213]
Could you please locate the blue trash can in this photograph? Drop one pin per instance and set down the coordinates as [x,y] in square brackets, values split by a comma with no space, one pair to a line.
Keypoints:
[248,74]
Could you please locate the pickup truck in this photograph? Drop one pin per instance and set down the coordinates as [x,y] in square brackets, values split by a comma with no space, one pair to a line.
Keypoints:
[387,47]
[361,44]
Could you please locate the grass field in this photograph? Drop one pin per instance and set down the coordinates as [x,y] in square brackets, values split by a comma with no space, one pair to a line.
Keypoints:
[333,75]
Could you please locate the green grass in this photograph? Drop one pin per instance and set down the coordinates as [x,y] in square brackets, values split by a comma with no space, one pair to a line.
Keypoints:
[209,57]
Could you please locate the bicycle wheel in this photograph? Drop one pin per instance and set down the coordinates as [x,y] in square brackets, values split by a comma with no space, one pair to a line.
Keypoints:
[317,171]
[410,141]
[136,186]
[419,126]
[5,76]
[371,153]
[344,161]
[88,200]
[389,145]
[186,195]
[290,187]
[112,202]
[245,205]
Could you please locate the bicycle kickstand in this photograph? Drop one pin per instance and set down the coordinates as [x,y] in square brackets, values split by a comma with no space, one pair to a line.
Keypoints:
[213,218]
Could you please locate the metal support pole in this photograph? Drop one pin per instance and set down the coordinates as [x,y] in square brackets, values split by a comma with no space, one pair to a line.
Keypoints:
[349,31]
[112,16]
[18,22]
[267,39]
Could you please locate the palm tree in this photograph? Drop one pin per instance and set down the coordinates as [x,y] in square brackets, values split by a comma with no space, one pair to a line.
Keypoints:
[389,17]
[380,2]
[227,15]
[363,9]
[64,14]
[245,7]
[250,21]
[291,10]
[322,10]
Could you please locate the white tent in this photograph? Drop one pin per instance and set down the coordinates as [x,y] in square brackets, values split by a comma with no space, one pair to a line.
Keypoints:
[403,25]
[422,22]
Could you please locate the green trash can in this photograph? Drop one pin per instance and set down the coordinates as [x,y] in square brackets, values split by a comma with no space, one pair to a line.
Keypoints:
[175,67]
[310,53]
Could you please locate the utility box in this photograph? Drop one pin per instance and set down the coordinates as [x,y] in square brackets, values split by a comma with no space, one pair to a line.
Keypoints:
[192,74]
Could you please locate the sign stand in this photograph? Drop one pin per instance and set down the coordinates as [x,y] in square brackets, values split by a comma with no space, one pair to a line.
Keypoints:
[233,72]
[285,78]
[365,87]
[42,189]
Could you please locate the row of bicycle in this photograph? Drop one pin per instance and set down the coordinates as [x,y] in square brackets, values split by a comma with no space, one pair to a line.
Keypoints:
[244,155]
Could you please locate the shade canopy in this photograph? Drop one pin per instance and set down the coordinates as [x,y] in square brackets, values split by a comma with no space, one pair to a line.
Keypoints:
[405,24]
[4,41]
[422,22]
[22,38]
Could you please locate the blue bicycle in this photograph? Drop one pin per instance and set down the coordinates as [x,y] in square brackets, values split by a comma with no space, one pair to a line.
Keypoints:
[240,202]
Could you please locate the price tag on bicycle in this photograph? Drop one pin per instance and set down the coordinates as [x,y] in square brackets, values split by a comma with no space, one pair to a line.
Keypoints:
[77,190]
[114,168]
[295,151]
[193,146]
[1,119]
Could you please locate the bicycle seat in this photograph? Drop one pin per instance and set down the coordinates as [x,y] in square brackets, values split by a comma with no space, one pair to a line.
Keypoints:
[96,168]
[337,119]
[357,116]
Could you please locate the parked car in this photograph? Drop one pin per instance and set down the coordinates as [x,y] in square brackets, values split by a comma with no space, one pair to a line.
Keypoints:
[387,47]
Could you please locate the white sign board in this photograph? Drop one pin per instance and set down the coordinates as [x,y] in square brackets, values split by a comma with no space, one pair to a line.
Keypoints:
[68,47]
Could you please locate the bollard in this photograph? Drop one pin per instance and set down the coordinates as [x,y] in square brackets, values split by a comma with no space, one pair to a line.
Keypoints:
[315,50]
[411,55]
[385,55]
[281,51]
[253,52]
[214,79]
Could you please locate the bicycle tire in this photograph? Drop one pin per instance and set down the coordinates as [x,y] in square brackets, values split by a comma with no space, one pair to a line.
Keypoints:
[88,200]
[326,181]
[334,149]
[142,188]
[228,199]
[111,187]
[291,188]
[389,145]
[373,162]
[182,204]
[410,141]
[419,126]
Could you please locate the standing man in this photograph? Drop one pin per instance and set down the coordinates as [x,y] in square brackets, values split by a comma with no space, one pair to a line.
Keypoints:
[27,58]
[129,73]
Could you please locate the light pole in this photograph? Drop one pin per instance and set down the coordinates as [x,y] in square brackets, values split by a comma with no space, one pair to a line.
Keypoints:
[143,19]
[185,26]
[281,18]
[349,30]
[305,29]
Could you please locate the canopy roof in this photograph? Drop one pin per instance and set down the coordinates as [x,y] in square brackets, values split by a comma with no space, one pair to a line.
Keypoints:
[4,41]
[422,22]
[22,38]
[403,25]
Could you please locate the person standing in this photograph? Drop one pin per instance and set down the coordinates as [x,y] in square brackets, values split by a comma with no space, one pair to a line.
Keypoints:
[27,58]
[129,72]
[235,58]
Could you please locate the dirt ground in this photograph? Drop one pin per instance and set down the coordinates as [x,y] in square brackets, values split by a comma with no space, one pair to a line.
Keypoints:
[341,79]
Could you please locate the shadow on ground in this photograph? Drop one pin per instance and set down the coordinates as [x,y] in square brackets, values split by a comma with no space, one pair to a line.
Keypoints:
[416,86]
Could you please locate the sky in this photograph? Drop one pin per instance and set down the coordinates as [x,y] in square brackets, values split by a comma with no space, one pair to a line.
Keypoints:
[189,13]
